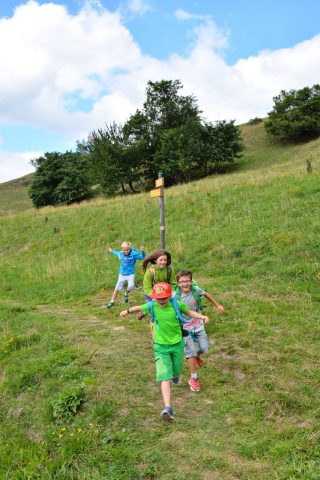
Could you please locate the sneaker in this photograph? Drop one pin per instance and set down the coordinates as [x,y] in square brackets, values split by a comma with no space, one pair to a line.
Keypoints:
[194,384]
[167,414]
[176,380]
[109,305]
[199,361]
[125,296]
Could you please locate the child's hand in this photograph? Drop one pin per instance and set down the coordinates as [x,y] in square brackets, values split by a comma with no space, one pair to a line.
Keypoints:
[205,319]
[220,308]
[109,249]
[124,313]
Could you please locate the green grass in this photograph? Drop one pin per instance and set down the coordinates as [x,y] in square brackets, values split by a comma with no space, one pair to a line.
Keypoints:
[14,195]
[252,239]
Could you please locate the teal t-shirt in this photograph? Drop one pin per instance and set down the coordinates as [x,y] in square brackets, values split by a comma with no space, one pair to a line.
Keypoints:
[169,331]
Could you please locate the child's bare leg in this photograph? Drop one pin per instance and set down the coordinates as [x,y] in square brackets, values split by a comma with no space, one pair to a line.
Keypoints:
[165,390]
[114,295]
[151,330]
[192,365]
[193,380]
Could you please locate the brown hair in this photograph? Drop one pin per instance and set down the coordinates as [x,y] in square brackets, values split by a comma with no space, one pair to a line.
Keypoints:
[152,258]
[183,273]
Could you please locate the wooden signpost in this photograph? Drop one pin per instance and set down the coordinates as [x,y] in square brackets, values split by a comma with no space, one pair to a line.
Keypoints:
[159,192]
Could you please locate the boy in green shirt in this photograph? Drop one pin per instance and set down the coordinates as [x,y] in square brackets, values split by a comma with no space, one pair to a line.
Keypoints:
[168,341]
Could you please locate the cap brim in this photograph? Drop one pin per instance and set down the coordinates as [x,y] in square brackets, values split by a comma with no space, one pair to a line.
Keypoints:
[159,298]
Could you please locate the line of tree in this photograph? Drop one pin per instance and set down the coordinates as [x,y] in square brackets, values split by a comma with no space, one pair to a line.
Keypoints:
[169,135]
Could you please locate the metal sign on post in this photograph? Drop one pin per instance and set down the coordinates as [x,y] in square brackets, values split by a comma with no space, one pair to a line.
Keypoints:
[159,192]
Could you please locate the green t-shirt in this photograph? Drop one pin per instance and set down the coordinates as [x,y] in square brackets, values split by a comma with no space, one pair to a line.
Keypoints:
[169,331]
[160,275]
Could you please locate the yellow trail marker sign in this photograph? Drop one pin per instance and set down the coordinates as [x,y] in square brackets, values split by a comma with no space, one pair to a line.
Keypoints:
[159,182]
[157,192]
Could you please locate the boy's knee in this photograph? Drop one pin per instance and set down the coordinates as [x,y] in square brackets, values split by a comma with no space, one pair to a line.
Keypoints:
[204,349]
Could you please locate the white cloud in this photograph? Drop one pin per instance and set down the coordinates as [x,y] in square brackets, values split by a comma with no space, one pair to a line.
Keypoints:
[52,56]
[14,165]
[138,7]
[51,53]
[206,33]
[183,15]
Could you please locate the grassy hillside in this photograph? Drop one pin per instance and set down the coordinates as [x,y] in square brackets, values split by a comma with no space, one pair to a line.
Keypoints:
[252,240]
[14,195]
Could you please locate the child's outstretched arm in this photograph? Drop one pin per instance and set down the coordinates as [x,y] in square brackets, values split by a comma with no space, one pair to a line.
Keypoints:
[214,302]
[124,313]
[142,254]
[198,315]
[114,252]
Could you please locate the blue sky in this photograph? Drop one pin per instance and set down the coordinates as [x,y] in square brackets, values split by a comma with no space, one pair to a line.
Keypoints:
[68,67]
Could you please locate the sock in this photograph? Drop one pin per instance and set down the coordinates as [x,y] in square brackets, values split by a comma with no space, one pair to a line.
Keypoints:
[194,376]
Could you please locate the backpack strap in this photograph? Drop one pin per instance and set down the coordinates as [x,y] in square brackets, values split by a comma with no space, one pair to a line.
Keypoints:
[152,273]
[151,312]
[177,292]
[175,305]
[169,271]
[196,295]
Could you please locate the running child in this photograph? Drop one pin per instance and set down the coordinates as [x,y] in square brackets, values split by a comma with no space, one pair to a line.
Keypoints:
[157,268]
[197,342]
[128,257]
[168,341]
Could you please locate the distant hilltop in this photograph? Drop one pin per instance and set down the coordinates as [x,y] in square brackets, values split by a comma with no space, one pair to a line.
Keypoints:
[26,180]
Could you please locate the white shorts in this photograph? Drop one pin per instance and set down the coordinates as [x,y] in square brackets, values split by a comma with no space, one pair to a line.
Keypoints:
[122,279]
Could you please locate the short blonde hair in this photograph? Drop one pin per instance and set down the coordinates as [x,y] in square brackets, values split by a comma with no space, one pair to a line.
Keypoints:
[126,245]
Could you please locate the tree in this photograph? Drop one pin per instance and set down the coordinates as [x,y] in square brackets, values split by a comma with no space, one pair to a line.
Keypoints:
[296,114]
[60,178]
[222,145]
[168,115]
[168,135]
[113,159]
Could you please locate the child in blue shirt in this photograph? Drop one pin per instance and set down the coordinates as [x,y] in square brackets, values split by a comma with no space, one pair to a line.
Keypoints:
[128,257]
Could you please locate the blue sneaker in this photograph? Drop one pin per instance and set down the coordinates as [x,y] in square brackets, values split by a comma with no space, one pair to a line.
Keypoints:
[125,296]
[167,414]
